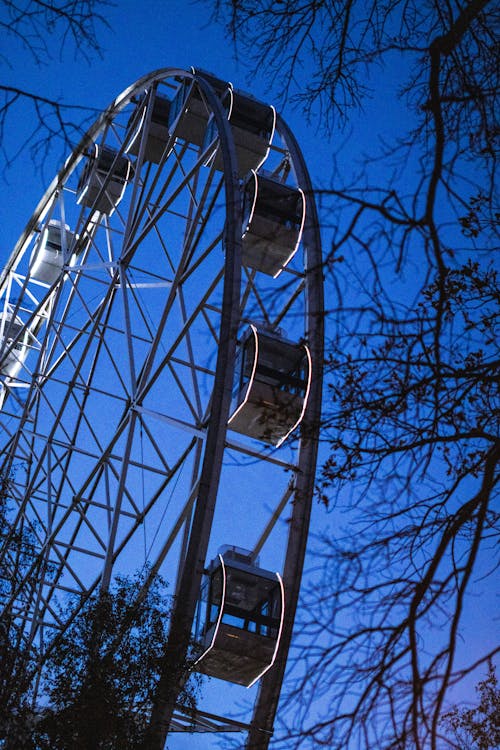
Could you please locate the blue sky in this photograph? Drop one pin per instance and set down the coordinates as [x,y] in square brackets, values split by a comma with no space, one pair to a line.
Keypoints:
[143,37]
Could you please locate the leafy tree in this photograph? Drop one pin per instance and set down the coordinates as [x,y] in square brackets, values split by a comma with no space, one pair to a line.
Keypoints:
[16,657]
[43,30]
[478,728]
[102,671]
[98,676]
[410,430]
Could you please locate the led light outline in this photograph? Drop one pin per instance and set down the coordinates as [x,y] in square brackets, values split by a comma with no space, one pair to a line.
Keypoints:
[299,235]
[229,113]
[253,203]
[129,167]
[139,126]
[270,139]
[231,103]
[85,189]
[278,639]
[306,397]
[252,376]
[221,610]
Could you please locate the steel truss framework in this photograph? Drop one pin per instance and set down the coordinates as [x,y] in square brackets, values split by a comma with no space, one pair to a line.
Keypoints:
[114,430]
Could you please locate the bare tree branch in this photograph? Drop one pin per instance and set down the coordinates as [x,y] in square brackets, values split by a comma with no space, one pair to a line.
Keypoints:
[46,30]
[53,120]
[412,410]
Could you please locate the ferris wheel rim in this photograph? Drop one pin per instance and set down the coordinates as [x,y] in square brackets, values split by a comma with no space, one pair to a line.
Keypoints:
[229,318]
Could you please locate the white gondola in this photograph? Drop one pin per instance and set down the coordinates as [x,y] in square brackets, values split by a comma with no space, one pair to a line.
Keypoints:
[273,220]
[240,618]
[252,123]
[52,248]
[104,179]
[272,382]
[157,134]
[188,111]
[13,345]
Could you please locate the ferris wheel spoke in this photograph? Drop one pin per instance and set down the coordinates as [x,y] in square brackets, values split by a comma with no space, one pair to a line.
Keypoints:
[149,203]
[159,342]
[161,206]
[152,379]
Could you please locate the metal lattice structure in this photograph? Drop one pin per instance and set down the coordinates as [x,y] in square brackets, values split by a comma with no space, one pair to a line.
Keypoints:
[117,364]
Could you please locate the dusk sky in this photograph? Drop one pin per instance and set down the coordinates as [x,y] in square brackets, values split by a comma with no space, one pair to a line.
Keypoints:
[143,37]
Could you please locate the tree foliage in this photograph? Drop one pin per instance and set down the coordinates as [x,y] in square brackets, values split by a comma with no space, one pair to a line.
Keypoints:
[410,434]
[101,673]
[98,676]
[478,728]
[16,658]
[44,30]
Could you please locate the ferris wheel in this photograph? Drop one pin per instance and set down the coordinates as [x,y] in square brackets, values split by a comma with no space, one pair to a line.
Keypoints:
[161,345]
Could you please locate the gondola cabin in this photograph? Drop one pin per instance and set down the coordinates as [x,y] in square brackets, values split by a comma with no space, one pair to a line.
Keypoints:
[149,122]
[273,220]
[189,112]
[13,345]
[50,251]
[272,382]
[104,179]
[239,619]
[252,124]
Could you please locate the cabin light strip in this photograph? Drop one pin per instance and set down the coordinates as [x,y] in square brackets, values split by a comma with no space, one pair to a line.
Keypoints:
[129,168]
[252,211]
[125,183]
[221,610]
[231,102]
[86,168]
[287,261]
[138,129]
[278,639]
[270,139]
[82,194]
[252,376]
[306,397]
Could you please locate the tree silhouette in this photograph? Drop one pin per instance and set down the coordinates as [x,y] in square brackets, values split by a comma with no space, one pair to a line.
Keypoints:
[17,659]
[99,675]
[478,728]
[93,685]
[410,429]
[102,671]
